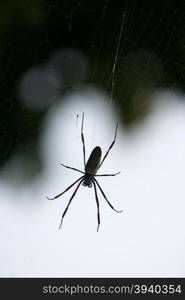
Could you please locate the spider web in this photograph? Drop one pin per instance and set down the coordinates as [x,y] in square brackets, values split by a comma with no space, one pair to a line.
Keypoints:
[125,49]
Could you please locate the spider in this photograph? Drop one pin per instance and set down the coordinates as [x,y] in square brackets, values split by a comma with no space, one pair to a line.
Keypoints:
[88,179]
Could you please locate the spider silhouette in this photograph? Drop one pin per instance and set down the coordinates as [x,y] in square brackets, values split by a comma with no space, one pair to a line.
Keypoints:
[88,179]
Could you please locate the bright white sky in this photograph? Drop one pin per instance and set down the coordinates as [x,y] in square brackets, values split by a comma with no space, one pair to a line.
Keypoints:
[147,239]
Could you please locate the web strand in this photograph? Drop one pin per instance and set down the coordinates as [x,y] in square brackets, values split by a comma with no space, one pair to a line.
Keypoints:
[117,52]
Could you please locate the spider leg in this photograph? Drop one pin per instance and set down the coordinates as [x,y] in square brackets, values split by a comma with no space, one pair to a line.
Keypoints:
[112,144]
[74,193]
[97,202]
[72,168]
[118,211]
[82,138]
[65,189]
[107,174]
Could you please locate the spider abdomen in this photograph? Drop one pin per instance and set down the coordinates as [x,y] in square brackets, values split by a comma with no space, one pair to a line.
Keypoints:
[93,162]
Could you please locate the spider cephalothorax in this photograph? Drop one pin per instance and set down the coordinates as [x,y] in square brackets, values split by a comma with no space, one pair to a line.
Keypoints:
[88,179]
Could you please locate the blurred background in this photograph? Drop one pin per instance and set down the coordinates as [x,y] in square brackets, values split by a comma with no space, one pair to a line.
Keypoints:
[124,62]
